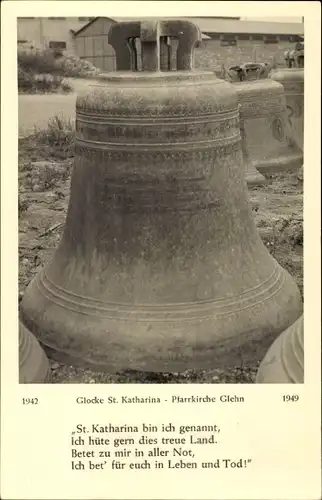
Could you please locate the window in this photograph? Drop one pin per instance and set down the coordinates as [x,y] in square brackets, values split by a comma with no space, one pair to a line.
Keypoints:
[257,38]
[243,37]
[294,38]
[57,45]
[22,41]
[228,41]
[270,39]
[213,36]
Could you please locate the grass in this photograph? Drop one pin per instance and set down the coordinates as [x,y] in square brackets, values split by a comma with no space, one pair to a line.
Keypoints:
[23,204]
[31,83]
[44,177]
[58,134]
[48,62]
[56,141]
[45,160]
[44,71]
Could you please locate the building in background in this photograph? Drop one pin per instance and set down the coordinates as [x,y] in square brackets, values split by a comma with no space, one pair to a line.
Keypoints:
[91,43]
[225,40]
[233,42]
[49,32]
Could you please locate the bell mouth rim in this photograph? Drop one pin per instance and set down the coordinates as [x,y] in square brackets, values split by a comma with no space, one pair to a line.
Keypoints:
[258,81]
[147,76]
[286,71]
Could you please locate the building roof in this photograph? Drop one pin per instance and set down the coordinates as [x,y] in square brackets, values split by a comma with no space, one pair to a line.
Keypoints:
[123,19]
[212,25]
[89,23]
[208,25]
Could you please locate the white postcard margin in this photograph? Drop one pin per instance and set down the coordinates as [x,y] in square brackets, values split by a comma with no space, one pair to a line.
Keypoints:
[282,441]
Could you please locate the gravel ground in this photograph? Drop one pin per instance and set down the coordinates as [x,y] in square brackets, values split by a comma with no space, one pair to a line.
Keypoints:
[44,178]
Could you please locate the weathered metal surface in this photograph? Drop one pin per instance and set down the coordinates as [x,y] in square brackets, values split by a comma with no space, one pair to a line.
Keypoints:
[293,83]
[269,136]
[33,364]
[252,175]
[284,361]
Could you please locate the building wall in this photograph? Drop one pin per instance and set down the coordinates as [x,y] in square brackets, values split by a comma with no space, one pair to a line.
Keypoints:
[92,44]
[211,55]
[38,32]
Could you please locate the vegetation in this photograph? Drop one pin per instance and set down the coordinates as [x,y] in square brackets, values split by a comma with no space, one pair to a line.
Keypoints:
[31,83]
[54,142]
[47,61]
[43,71]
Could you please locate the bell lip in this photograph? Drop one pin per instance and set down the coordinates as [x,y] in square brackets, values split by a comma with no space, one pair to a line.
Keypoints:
[281,164]
[141,76]
[287,73]
[258,83]
[283,363]
[215,350]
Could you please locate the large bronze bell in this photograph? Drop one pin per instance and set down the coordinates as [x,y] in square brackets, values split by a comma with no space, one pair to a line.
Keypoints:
[33,363]
[293,83]
[284,361]
[269,136]
[252,175]
[160,266]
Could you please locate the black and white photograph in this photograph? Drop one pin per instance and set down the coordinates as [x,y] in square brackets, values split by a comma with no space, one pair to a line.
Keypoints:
[160,171]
